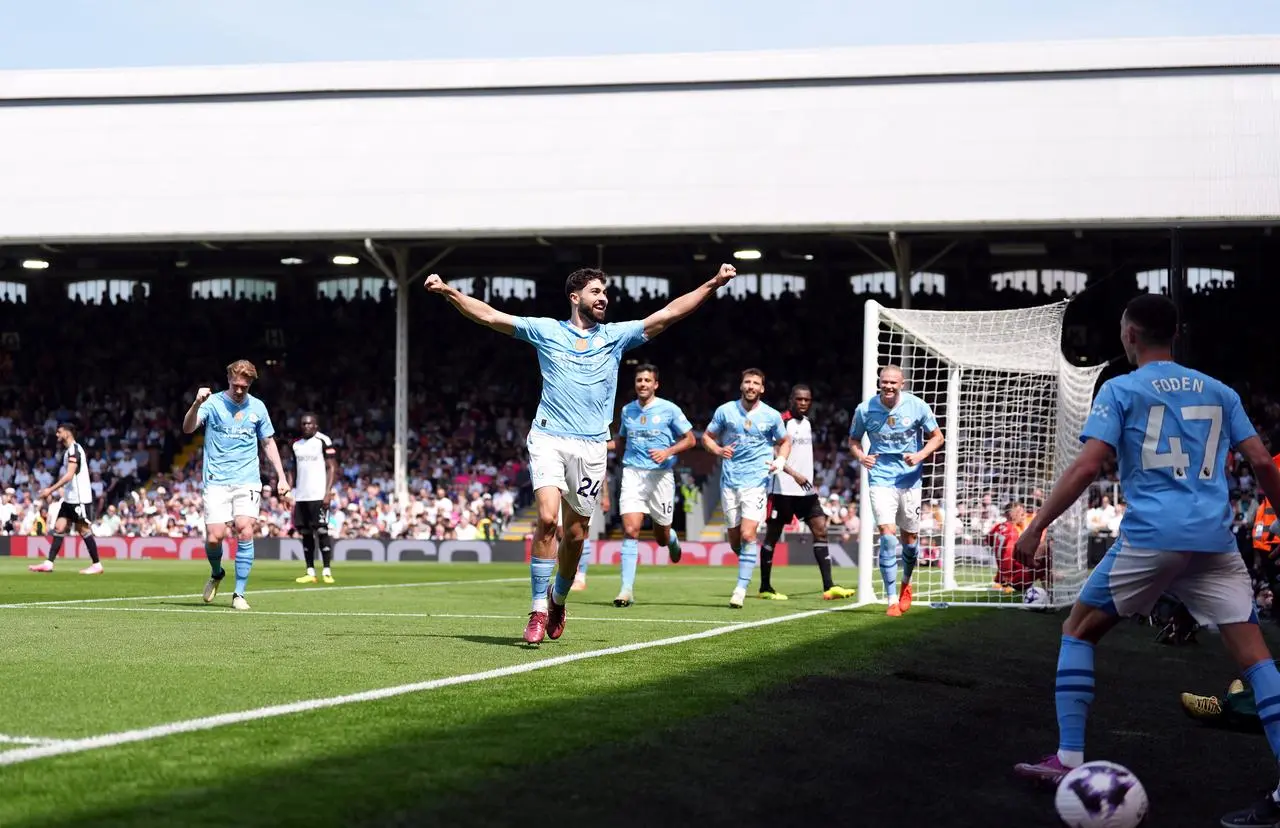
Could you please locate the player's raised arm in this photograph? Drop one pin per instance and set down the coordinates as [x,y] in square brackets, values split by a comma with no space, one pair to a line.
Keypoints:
[474,309]
[680,307]
[194,418]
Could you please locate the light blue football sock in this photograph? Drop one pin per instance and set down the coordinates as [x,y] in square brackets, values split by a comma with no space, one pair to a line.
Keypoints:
[630,555]
[540,570]
[910,554]
[244,564]
[889,566]
[1073,695]
[673,540]
[747,563]
[1264,679]
[560,588]
[585,560]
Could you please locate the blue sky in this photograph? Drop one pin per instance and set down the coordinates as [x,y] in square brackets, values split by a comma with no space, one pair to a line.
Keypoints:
[103,33]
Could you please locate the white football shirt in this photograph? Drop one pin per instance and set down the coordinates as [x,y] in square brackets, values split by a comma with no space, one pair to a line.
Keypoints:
[78,491]
[311,474]
[801,459]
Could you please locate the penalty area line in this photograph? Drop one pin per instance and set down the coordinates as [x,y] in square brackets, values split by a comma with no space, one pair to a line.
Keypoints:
[299,590]
[222,610]
[107,740]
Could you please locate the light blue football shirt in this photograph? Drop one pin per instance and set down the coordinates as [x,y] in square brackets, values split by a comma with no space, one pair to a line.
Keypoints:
[1171,428]
[658,425]
[893,435]
[231,436]
[579,373]
[753,434]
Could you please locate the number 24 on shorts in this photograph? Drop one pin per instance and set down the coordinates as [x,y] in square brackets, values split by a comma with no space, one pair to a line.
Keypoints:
[589,488]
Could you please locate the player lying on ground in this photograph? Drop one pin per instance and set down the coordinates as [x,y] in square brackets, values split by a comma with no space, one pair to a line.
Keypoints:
[1170,428]
[752,443]
[315,463]
[792,495]
[76,510]
[235,423]
[567,456]
[654,431]
[1010,573]
[901,433]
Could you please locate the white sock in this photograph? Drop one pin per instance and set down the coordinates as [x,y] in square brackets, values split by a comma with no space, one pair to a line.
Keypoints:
[539,604]
[1071,758]
[311,570]
[327,573]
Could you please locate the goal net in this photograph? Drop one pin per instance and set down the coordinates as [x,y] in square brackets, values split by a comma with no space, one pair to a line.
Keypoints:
[1011,409]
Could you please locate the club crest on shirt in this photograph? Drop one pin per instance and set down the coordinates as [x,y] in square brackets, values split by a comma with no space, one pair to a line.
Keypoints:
[657,419]
[253,418]
[580,344]
[598,342]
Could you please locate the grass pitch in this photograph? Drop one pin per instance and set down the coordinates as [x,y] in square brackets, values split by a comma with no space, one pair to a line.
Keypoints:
[404,696]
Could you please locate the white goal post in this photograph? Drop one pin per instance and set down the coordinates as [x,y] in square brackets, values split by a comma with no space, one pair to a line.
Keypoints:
[1011,409]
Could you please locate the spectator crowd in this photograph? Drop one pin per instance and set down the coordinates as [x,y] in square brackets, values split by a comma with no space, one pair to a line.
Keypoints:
[471,396]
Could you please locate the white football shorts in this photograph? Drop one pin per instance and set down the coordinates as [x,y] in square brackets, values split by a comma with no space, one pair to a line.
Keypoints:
[892,506]
[575,467]
[1215,587]
[648,491]
[222,504]
[743,504]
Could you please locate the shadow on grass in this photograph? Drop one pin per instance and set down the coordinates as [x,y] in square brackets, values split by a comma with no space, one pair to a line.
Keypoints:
[914,722]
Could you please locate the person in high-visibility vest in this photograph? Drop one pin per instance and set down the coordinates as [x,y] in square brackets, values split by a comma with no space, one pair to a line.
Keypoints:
[1266,539]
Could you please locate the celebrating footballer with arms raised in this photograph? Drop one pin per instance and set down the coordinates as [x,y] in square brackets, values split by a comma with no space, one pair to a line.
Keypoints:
[579,358]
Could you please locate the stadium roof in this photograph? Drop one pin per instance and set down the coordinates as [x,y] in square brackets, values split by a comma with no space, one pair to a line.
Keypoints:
[1080,134]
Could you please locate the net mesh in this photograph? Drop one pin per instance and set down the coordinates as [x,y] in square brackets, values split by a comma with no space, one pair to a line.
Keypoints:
[1011,408]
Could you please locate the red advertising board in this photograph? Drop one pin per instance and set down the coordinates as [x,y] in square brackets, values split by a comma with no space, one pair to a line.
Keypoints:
[606,552]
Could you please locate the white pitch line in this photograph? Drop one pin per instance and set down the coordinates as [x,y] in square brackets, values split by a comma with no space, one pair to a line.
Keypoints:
[293,590]
[27,740]
[27,754]
[259,614]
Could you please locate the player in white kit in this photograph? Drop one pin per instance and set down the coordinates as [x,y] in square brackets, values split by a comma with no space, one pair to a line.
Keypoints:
[77,502]
[315,473]
[792,495]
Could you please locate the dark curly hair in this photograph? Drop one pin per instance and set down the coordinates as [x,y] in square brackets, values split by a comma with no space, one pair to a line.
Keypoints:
[582,277]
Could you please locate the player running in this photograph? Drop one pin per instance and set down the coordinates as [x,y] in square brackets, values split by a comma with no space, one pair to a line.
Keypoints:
[902,433]
[315,473]
[567,455]
[792,495]
[752,443]
[1170,428]
[76,510]
[655,432]
[236,423]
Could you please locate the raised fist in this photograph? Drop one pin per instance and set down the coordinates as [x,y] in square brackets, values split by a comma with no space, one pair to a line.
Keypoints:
[203,394]
[727,272]
[434,284]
